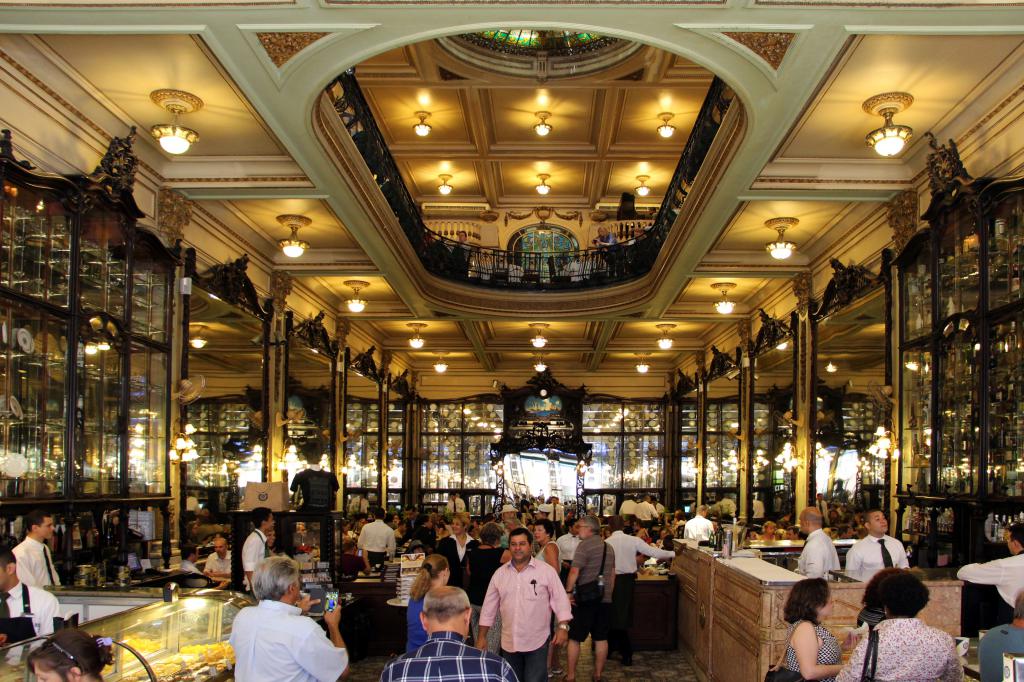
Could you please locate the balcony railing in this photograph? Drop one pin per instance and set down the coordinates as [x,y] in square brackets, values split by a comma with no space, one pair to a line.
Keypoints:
[499,268]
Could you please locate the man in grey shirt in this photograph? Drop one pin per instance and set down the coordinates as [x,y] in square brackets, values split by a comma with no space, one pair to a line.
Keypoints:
[593,618]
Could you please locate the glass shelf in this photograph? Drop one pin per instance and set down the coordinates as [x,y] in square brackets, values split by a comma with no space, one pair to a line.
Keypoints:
[721,451]
[958,401]
[1006,405]
[958,264]
[688,453]
[97,454]
[916,299]
[362,419]
[35,244]
[1006,252]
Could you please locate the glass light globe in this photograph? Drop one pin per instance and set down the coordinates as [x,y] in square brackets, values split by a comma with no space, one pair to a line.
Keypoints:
[422,129]
[890,140]
[539,341]
[416,342]
[781,250]
[642,190]
[642,367]
[540,366]
[543,189]
[444,189]
[356,305]
[198,342]
[542,129]
[725,306]
[293,249]
[831,369]
[782,346]
[665,343]
[440,366]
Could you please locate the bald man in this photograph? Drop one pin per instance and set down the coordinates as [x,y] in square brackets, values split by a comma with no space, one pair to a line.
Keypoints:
[819,555]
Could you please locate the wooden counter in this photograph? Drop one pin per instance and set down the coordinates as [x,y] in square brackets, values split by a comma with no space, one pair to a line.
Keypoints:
[730,612]
[387,622]
[655,623]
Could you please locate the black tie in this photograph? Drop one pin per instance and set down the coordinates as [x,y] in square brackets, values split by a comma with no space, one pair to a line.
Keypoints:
[49,565]
[886,557]
[4,611]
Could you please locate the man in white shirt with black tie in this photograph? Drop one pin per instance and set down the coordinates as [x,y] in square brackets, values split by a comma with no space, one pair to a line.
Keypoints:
[255,549]
[876,551]
[456,505]
[35,561]
[819,555]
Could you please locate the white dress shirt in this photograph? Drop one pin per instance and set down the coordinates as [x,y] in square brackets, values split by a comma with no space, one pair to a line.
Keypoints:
[32,570]
[1006,574]
[43,605]
[377,537]
[628,508]
[865,557]
[819,556]
[645,511]
[254,550]
[274,642]
[214,564]
[758,509]
[567,545]
[189,567]
[456,506]
[628,546]
[698,528]
[559,514]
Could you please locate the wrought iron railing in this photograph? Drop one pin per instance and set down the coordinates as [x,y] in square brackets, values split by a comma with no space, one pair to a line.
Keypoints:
[601,265]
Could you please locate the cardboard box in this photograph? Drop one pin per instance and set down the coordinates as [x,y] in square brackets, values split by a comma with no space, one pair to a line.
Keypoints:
[272,495]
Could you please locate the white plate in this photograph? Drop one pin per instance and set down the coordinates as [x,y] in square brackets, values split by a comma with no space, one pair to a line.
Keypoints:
[25,340]
[15,465]
[3,333]
[15,407]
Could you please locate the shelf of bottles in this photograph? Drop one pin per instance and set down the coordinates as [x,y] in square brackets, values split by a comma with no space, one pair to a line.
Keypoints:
[226,452]
[627,440]
[362,422]
[457,438]
[1006,407]
[721,451]
[689,455]
[958,405]
[958,264]
[395,452]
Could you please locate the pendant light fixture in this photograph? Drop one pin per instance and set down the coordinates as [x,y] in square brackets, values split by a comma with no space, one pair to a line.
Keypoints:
[444,188]
[665,342]
[175,138]
[543,188]
[440,366]
[543,128]
[831,368]
[724,306]
[197,340]
[293,247]
[538,363]
[666,129]
[538,340]
[642,189]
[355,304]
[642,365]
[416,341]
[890,139]
[422,129]
[781,248]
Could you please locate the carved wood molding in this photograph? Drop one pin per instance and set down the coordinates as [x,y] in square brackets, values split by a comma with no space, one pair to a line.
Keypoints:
[902,212]
[280,288]
[174,212]
[743,330]
[802,290]
[771,47]
[281,47]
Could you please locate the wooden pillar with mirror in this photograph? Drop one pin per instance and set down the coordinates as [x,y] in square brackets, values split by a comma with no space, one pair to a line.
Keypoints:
[720,439]
[224,396]
[772,427]
[746,406]
[685,400]
[398,446]
[365,429]
[853,398]
[309,422]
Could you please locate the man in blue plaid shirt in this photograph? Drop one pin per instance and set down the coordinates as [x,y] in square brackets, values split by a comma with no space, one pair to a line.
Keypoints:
[446,657]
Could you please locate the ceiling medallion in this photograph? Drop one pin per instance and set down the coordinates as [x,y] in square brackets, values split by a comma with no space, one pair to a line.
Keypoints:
[293,247]
[355,304]
[890,138]
[724,306]
[175,138]
[781,248]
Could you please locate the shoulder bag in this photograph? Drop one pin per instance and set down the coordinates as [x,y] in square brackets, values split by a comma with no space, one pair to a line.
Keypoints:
[593,592]
[867,673]
[779,672]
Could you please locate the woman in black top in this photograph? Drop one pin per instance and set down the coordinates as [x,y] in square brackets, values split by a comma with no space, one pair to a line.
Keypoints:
[450,547]
[481,563]
[425,533]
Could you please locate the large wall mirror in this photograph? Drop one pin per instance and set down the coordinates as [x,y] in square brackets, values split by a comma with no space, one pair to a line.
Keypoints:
[363,430]
[721,441]
[773,459]
[308,422]
[223,391]
[853,393]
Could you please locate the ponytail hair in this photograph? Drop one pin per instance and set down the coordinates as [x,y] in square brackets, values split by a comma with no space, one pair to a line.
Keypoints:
[431,568]
[69,648]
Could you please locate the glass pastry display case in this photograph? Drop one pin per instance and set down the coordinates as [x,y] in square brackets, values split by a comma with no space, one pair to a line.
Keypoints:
[186,639]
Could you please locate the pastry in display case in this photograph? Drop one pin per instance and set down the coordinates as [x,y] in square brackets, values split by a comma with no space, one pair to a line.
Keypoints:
[182,640]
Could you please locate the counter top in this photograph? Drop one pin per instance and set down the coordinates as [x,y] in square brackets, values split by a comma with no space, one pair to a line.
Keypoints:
[763,571]
[105,590]
[928,575]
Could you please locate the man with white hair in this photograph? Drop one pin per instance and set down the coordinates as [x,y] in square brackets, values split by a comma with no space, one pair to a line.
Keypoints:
[819,555]
[446,656]
[275,641]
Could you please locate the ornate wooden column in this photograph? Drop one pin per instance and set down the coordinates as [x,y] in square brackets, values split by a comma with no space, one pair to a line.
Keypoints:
[280,288]
[383,398]
[702,426]
[671,467]
[746,406]
[803,393]
[342,327]
[411,449]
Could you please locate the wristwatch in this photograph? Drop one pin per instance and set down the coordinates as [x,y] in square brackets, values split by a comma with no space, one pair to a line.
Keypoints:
[563,626]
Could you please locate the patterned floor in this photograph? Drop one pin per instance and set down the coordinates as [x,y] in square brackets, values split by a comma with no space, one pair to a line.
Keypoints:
[651,666]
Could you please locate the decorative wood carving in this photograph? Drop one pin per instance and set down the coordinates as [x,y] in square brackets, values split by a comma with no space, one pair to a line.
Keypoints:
[802,290]
[681,385]
[771,334]
[364,364]
[280,288]
[771,47]
[721,363]
[174,212]
[7,150]
[342,327]
[229,282]
[945,169]
[281,47]
[849,282]
[401,386]
[743,330]
[902,212]
[313,333]
[116,170]
[698,360]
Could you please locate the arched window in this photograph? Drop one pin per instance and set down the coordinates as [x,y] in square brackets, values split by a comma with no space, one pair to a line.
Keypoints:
[543,238]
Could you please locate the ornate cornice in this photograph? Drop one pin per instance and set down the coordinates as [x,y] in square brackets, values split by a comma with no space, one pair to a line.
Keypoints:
[342,327]
[771,47]
[802,290]
[280,288]
[174,212]
[281,47]
[743,330]
[902,212]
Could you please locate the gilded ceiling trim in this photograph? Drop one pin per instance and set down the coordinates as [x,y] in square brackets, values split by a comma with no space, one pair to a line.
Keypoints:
[771,47]
[281,47]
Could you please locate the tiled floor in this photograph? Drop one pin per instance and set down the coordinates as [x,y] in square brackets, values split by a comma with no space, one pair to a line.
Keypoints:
[650,666]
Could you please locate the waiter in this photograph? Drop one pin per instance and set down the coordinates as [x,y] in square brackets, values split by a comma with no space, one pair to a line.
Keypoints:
[25,612]
[255,549]
[35,563]
[626,548]
[819,556]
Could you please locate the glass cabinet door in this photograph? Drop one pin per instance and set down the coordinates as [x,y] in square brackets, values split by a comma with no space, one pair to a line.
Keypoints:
[98,446]
[103,271]
[1006,407]
[722,448]
[395,446]
[958,401]
[916,296]
[35,244]
[761,448]
[361,448]
[33,352]
[1006,251]
[958,264]
[688,414]
[147,421]
[151,285]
